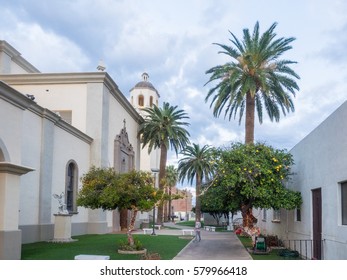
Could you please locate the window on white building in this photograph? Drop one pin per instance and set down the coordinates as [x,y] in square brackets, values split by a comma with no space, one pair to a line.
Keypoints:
[2,157]
[276,218]
[264,215]
[141,101]
[298,214]
[344,203]
[71,186]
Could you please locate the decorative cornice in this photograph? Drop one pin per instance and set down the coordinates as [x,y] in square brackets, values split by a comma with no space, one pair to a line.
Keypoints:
[17,57]
[14,97]
[7,167]
[73,78]
[19,100]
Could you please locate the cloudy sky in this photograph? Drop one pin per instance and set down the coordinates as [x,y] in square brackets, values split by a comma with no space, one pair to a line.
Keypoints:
[173,42]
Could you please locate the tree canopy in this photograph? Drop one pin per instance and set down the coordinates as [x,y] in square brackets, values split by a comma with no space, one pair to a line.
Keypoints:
[255,78]
[164,128]
[196,165]
[255,176]
[104,188]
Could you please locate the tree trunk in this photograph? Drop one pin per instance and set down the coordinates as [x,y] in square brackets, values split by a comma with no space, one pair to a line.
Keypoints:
[170,214]
[165,208]
[248,219]
[247,215]
[198,201]
[162,169]
[249,122]
[123,219]
[131,227]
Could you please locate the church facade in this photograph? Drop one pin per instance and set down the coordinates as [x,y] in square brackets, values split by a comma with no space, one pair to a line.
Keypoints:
[53,128]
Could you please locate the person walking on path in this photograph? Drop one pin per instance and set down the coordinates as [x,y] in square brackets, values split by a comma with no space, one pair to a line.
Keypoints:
[197,231]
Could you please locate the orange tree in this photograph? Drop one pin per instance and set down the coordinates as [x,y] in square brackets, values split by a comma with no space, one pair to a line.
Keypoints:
[253,175]
[215,201]
[106,189]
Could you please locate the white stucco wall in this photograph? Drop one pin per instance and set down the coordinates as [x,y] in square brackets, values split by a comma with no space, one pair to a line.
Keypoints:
[60,97]
[320,161]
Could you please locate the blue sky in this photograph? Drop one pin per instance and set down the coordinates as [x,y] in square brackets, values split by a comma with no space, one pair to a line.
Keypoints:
[173,42]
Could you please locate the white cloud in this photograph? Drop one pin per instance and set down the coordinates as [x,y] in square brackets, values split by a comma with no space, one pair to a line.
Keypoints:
[172,41]
[44,49]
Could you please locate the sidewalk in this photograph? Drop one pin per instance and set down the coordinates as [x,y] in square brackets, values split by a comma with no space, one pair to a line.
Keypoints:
[213,246]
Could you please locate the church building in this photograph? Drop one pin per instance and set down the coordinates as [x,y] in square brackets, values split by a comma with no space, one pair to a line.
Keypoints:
[53,128]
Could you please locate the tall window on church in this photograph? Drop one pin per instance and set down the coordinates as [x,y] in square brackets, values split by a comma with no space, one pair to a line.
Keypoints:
[151,101]
[71,186]
[2,157]
[344,202]
[141,101]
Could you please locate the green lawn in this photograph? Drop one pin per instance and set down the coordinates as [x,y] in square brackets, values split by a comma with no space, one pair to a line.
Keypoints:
[107,244]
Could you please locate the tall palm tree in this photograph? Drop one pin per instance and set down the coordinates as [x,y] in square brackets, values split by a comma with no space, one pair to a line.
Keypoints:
[196,165]
[171,179]
[255,77]
[164,128]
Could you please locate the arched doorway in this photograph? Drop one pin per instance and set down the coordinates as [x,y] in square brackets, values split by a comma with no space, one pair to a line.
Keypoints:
[10,235]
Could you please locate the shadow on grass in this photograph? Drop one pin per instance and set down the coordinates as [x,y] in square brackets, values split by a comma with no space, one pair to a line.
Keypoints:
[106,244]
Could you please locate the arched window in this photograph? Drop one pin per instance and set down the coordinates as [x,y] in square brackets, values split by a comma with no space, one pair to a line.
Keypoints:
[2,157]
[151,101]
[71,186]
[141,101]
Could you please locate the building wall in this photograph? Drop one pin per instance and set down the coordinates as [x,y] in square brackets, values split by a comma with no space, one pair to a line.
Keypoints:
[35,135]
[38,138]
[320,161]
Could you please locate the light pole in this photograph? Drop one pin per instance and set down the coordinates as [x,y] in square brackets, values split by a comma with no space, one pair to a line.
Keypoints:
[154,171]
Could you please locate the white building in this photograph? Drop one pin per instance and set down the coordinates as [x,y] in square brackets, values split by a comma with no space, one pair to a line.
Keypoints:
[53,128]
[320,174]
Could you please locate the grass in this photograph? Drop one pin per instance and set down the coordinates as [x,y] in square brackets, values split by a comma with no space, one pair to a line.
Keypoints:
[107,244]
[272,255]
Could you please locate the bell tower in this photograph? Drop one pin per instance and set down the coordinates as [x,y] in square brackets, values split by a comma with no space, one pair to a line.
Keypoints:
[144,94]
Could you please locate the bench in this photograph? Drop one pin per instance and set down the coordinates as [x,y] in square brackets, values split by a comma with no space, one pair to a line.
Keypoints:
[209,228]
[91,257]
[191,231]
[157,226]
[145,230]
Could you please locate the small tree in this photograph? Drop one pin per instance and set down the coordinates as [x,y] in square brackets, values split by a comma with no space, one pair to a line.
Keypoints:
[197,165]
[216,202]
[164,128]
[106,189]
[171,178]
[253,175]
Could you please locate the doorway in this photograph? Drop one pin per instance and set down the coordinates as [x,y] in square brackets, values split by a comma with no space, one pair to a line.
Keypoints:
[317,223]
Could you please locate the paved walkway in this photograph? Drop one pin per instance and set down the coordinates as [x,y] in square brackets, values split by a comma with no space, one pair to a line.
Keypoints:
[213,246]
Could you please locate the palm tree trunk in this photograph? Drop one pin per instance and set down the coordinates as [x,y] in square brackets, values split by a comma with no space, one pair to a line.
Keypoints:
[162,168]
[198,201]
[249,139]
[165,207]
[170,214]
[249,123]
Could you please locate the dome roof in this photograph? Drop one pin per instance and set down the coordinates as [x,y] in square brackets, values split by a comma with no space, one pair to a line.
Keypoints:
[144,83]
